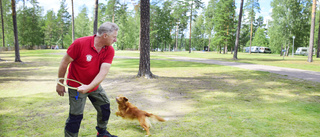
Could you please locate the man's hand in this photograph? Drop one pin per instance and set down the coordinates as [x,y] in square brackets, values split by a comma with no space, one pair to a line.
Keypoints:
[84,89]
[60,90]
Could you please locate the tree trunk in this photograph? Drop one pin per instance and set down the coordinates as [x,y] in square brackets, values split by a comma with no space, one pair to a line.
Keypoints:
[235,55]
[209,42]
[177,31]
[16,41]
[72,20]
[3,40]
[318,49]
[95,22]
[226,47]
[170,43]
[288,48]
[62,37]
[190,28]
[114,6]
[250,36]
[311,41]
[144,65]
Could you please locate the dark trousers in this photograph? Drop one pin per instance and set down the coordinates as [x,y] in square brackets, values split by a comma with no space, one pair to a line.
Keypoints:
[100,102]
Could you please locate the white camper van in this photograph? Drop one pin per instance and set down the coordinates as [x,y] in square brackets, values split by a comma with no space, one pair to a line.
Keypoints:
[255,49]
[303,51]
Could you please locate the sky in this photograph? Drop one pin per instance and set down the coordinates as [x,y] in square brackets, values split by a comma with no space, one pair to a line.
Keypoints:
[55,5]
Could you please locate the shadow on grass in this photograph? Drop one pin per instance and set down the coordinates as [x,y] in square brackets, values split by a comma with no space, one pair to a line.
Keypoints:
[209,100]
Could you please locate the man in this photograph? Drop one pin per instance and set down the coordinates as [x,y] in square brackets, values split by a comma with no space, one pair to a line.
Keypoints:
[90,59]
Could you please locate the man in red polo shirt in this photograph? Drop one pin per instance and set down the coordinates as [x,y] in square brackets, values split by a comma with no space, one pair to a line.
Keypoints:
[90,59]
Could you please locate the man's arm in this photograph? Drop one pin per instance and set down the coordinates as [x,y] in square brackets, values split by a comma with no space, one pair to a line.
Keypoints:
[66,60]
[104,70]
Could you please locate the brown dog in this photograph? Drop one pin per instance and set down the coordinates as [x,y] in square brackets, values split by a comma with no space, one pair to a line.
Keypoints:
[129,111]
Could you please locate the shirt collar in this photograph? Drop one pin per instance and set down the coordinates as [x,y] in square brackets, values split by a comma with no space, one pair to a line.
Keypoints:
[92,41]
[94,48]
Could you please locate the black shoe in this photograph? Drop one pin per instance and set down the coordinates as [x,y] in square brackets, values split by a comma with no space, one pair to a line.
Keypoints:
[105,134]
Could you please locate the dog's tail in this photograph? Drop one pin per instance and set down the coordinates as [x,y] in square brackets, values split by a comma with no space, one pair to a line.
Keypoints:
[155,117]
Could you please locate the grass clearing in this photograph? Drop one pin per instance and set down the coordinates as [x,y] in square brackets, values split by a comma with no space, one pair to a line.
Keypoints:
[199,99]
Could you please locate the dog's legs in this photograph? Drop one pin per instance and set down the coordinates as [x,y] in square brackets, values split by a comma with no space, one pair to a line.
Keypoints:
[144,124]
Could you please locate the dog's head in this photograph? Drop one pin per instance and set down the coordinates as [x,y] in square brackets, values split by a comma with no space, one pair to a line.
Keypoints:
[121,100]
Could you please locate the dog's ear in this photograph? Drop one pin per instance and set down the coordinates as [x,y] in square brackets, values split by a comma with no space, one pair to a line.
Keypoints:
[125,99]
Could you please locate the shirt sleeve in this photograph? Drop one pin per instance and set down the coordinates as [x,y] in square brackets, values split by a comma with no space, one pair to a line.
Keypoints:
[109,56]
[73,50]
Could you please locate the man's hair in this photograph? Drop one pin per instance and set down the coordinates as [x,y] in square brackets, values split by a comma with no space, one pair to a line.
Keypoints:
[107,28]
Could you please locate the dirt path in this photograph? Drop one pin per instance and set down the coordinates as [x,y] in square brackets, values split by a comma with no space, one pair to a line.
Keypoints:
[156,97]
[290,72]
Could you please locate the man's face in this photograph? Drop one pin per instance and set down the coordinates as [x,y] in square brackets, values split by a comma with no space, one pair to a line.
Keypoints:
[110,39]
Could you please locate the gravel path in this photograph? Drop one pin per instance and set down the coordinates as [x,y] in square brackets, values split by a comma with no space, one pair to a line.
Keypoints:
[289,72]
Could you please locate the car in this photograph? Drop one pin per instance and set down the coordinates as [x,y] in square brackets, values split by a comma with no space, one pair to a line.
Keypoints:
[264,50]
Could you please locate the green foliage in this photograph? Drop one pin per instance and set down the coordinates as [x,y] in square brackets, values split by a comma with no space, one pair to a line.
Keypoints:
[7,21]
[161,25]
[50,31]
[290,18]
[64,22]
[224,23]
[260,38]
[216,26]
[83,25]
[252,7]
[30,33]
[111,11]
[198,31]
[200,100]
[209,19]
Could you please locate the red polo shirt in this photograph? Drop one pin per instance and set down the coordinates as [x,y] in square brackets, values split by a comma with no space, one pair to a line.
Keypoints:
[86,60]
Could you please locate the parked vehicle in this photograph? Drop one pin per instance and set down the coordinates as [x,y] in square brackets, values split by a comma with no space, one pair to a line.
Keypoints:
[254,49]
[264,50]
[303,51]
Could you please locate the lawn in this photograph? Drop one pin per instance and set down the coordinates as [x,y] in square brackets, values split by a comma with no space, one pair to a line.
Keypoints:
[198,99]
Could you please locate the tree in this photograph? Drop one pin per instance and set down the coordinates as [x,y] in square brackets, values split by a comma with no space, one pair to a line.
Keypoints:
[313,16]
[29,24]
[137,19]
[50,28]
[15,30]
[82,21]
[260,38]
[111,10]
[95,22]
[290,18]
[63,22]
[160,25]
[72,20]
[180,18]
[236,45]
[198,31]
[102,14]
[144,65]
[318,49]
[251,6]
[209,19]
[224,22]
[197,4]
[3,40]
[123,23]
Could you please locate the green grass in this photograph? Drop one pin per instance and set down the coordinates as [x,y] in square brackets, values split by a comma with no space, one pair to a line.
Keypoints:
[200,99]
[298,62]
